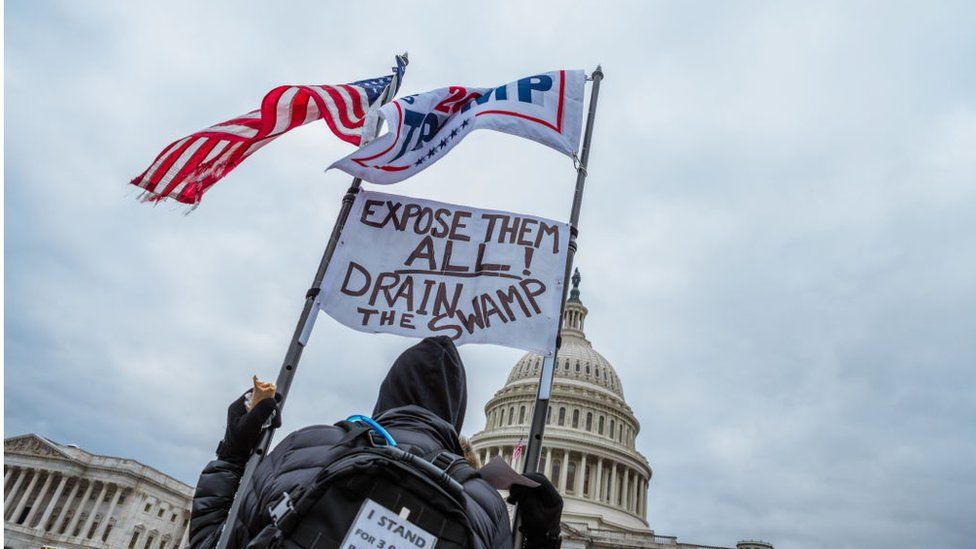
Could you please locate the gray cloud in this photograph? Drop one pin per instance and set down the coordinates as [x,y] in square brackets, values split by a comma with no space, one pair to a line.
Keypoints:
[776,239]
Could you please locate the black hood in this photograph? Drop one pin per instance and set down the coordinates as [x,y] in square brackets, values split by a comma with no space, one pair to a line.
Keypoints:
[430,375]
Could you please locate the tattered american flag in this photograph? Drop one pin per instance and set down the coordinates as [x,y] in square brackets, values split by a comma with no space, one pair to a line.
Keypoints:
[188,167]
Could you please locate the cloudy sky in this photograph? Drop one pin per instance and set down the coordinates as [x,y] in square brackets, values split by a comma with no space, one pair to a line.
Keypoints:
[777,240]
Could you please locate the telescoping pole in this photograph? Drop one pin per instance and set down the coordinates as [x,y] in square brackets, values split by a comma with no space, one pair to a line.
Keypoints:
[537,430]
[298,340]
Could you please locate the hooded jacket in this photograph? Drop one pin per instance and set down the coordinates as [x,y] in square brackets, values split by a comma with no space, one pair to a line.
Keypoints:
[421,403]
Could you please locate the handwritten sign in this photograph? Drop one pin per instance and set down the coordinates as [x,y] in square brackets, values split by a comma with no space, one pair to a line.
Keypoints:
[376,527]
[421,268]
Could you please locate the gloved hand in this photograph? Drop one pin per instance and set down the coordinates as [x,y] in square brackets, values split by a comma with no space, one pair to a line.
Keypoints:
[541,508]
[244,427]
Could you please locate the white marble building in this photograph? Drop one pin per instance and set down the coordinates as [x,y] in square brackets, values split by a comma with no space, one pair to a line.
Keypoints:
[61,496]
[589,450]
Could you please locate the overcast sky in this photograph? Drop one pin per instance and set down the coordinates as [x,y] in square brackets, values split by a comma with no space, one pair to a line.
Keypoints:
[777,241]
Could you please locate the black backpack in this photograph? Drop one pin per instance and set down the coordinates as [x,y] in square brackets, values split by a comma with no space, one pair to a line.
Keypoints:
[374,495]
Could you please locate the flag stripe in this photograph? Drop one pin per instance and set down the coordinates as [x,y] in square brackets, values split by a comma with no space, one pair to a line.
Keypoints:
[186,168]
[206,145]
[171,159]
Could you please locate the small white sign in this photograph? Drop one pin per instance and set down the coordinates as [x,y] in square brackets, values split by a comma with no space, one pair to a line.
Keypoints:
[376,527]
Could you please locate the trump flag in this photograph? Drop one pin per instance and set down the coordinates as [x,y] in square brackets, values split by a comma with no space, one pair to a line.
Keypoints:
[546,108]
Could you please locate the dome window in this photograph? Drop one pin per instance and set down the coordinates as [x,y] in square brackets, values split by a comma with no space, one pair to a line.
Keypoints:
[511,414]
[599,426]
[562,416]
[587,369]
[548,416]
[522,414]
[575,419]
[612,425]
[589,421]
[577,367]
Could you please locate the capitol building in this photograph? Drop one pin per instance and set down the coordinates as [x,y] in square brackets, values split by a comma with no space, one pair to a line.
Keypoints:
[589,449]
[60,496]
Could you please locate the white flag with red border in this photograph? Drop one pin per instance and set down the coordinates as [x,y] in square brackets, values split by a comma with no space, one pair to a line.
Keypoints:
[546,108]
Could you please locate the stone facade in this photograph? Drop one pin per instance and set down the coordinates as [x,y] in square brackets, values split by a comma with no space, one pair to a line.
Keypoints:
[59,495]
[590,449]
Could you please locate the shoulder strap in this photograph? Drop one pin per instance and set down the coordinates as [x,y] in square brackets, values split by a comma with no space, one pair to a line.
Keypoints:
[454,465]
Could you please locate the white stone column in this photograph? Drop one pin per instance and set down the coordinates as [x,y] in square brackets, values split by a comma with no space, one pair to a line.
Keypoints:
[80,509]
[548,472]
[39,500]
[626,491]
[108,514]
[643,498]
[52,503]
[22,502]
[634,496]
[581,475]
[9,499]
[136,501]
[67,505]
[7,475]
[637,485]
[599,479]
[185,539]
[564,472]
[94,511]
[613,484]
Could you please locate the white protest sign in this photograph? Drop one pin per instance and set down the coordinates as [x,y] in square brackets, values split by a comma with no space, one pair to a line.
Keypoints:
[376,527]
[421,268]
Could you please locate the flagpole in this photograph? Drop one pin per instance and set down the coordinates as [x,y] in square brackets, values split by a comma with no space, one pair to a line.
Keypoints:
[537,430]
[299,338]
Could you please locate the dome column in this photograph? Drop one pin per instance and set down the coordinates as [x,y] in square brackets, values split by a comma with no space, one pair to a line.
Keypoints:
[625,496]
[613,483]
[599,479]
[580,476]
[564,471]
[644,499]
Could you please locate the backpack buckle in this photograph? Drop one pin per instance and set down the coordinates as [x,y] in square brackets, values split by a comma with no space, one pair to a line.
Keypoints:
[279,511]
[445,460]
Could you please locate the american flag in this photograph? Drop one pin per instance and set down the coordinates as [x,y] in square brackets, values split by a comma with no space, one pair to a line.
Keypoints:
[519,448]
[189,166]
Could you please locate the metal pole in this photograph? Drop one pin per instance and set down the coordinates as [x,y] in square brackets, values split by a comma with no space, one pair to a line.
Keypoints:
[298,339]
[537,430]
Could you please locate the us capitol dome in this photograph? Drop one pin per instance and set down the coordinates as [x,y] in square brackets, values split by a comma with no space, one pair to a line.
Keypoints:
[589,450]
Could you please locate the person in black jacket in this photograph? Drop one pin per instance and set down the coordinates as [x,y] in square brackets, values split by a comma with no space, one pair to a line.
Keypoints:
[421,403]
